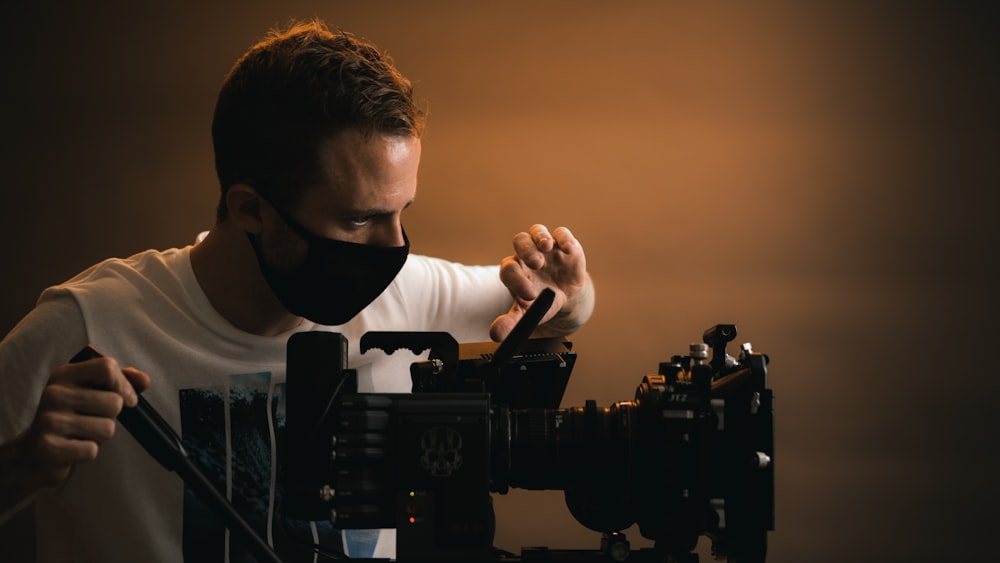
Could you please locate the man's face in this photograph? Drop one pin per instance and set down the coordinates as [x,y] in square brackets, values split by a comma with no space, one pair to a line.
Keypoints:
[367,183]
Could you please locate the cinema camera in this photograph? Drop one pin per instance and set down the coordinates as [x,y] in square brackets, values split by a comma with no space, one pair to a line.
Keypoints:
[690,456]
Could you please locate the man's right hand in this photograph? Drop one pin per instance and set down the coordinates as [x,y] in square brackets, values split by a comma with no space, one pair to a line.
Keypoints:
[75,416]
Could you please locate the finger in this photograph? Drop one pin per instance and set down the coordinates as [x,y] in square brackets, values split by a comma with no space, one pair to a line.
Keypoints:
[526,249]
[95,429]
[56,452]
[139,380]
[502,325]
[71,426]
[51,459]
[58,440]
[99,373]
[81,400]
[518,278]
[565,240]
[542,238]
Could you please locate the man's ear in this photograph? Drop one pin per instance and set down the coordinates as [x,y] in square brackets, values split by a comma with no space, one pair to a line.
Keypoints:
[244,205]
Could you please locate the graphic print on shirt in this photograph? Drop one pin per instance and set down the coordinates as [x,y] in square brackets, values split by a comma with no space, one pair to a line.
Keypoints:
[231,435]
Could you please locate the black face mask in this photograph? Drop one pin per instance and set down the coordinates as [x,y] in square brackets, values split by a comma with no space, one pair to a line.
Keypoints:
[336,280]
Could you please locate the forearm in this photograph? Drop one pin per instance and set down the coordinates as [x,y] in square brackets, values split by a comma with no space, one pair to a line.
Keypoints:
[17,482]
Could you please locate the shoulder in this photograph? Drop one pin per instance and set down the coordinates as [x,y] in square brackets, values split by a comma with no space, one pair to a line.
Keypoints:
[146,285]
[149,263]
[145,269]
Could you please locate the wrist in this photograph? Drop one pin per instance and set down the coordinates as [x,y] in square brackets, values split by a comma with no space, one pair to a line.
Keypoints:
[575,312]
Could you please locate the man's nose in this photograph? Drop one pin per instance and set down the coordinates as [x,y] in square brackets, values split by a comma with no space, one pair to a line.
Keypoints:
[390,235]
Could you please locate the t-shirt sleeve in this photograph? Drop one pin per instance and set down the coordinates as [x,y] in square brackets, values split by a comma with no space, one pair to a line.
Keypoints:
[431,294]
[51,334]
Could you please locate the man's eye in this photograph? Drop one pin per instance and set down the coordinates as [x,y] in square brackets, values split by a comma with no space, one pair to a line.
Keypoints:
[360,221]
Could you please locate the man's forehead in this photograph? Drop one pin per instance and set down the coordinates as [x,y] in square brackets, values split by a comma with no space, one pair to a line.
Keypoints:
[369,171]
[353,152]
[362,145]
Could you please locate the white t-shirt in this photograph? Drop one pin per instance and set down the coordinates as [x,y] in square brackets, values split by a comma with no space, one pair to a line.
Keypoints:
[221,389]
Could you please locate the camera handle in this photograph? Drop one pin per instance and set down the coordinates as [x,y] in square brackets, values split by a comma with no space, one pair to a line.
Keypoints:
[160,441]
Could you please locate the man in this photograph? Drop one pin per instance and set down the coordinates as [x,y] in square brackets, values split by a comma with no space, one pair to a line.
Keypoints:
[317,144]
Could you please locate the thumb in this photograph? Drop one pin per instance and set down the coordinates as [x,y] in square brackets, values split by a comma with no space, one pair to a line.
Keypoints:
[138,379]
[506,322]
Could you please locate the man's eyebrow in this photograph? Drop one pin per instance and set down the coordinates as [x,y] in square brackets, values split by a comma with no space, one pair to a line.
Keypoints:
[376,211]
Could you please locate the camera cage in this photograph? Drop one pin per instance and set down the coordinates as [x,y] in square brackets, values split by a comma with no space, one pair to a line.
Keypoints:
[692,455]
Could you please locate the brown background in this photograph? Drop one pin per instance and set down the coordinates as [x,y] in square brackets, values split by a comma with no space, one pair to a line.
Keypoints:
[821,174]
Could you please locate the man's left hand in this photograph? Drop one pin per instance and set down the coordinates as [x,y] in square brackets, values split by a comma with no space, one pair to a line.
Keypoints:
[542,259]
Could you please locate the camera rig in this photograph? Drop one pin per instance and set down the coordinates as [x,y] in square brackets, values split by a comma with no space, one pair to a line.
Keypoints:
[691,455]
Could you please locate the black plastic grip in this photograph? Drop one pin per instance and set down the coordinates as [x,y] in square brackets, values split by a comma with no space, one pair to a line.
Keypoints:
[164,445]
[145,424]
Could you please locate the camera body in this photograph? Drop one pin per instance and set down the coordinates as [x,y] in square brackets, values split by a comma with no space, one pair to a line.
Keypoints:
[690,455]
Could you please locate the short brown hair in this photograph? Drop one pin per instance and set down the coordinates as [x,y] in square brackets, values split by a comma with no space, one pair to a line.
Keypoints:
[290,91]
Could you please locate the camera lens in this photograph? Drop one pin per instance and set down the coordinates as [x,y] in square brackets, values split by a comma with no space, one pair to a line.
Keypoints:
[576,448]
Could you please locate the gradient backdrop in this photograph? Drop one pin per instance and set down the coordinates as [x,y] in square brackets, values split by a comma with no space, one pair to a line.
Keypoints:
[824,175]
